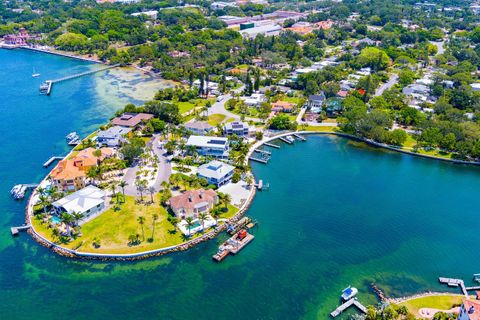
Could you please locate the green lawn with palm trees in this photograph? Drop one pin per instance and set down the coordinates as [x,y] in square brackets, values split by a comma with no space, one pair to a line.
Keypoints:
[133,227]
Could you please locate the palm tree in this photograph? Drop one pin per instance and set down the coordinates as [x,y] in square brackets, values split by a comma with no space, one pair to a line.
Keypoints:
[132,239]
[216,214]
[151,190]
[225,199]
[77,216]
[44,202]
[113,188]
[141,221]
[155,218]
[202,217]
[122,184]
[189,221]
[55,233]
[68,219]
[165,185]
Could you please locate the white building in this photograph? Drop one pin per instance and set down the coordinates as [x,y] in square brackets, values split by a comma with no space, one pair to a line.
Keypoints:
[266,30]
[216,172]
[254,100]
[152,14]
[216,147]
[113,136]
[87,201]
[198,127]
[237,127]
[475,86]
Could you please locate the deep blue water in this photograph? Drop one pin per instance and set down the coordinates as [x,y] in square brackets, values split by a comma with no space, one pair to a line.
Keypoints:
[337,214]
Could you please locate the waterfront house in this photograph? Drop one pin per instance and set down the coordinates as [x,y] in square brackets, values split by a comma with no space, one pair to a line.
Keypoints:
[70,174]
[216,172]
[333,107]
[193,202]
[198,127]
[282,106]
[113,136]
[216,147]
[470,310]
[238,128]
[131,120]
[87,201]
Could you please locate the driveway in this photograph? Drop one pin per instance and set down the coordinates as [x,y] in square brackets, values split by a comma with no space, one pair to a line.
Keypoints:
[164,169]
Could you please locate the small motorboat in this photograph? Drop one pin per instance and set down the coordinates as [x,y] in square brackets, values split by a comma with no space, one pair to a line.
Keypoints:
[349,293]
[290,138]
[35,74]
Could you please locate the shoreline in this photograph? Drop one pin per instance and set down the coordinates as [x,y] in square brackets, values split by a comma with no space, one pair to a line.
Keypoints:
[65,55]
[70,253]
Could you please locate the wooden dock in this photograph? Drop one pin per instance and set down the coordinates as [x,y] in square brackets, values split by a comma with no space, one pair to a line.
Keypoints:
[16,230]
[265,152]
[52,160]
[285,140]
[264,161]
[346,305]
[276,146]
[299,137]
[242,243]
[454,283]
[232,246]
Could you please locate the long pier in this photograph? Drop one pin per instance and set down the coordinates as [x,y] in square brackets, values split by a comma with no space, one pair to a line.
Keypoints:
[78,75]
[346,305]
[51,160]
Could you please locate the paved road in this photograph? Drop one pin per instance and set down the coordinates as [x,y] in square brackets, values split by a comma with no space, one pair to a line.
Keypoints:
[390,83]
[163,173]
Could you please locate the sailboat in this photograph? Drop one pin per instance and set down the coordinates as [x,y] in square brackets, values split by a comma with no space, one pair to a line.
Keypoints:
[34,74]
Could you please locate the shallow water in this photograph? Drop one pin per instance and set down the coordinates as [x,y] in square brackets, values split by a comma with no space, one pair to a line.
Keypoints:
[336,214]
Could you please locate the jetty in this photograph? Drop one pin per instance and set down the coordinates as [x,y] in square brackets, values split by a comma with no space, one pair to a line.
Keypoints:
[264,152]
[261,160]
[262,186]
[346,305]
[268,144]
[455,283]
[51,160]
[15,230]
[285,140]
[299,137]
[19,190]
[50,83]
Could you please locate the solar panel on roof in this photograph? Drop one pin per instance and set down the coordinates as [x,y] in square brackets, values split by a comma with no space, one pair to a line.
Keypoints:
[217,142]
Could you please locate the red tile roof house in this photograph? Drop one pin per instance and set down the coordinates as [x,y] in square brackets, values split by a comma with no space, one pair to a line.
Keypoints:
[282,106]
[193,202]
[470,310]
[131,120]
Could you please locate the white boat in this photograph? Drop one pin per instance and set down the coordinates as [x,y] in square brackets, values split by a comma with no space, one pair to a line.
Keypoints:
[290,138]
[18,191]
[71,136]
[349,293]
[35,74]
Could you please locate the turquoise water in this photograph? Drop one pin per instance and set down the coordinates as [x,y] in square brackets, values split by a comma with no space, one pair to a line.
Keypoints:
[336,214]
[56,220]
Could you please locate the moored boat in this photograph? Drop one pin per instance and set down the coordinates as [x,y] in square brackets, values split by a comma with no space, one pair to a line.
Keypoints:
[349,293]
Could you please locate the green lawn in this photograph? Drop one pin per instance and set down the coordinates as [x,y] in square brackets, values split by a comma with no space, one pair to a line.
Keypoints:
[232,210]
[295,100]
[215,119]
[114,227]
[441,302]
[185,106]
[319,129]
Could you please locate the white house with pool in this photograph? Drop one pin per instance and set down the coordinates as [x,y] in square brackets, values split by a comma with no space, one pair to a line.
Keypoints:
[88,201]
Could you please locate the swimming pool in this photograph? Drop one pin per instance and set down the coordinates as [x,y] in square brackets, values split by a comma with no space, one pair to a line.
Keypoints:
[195,224]
[56,220]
